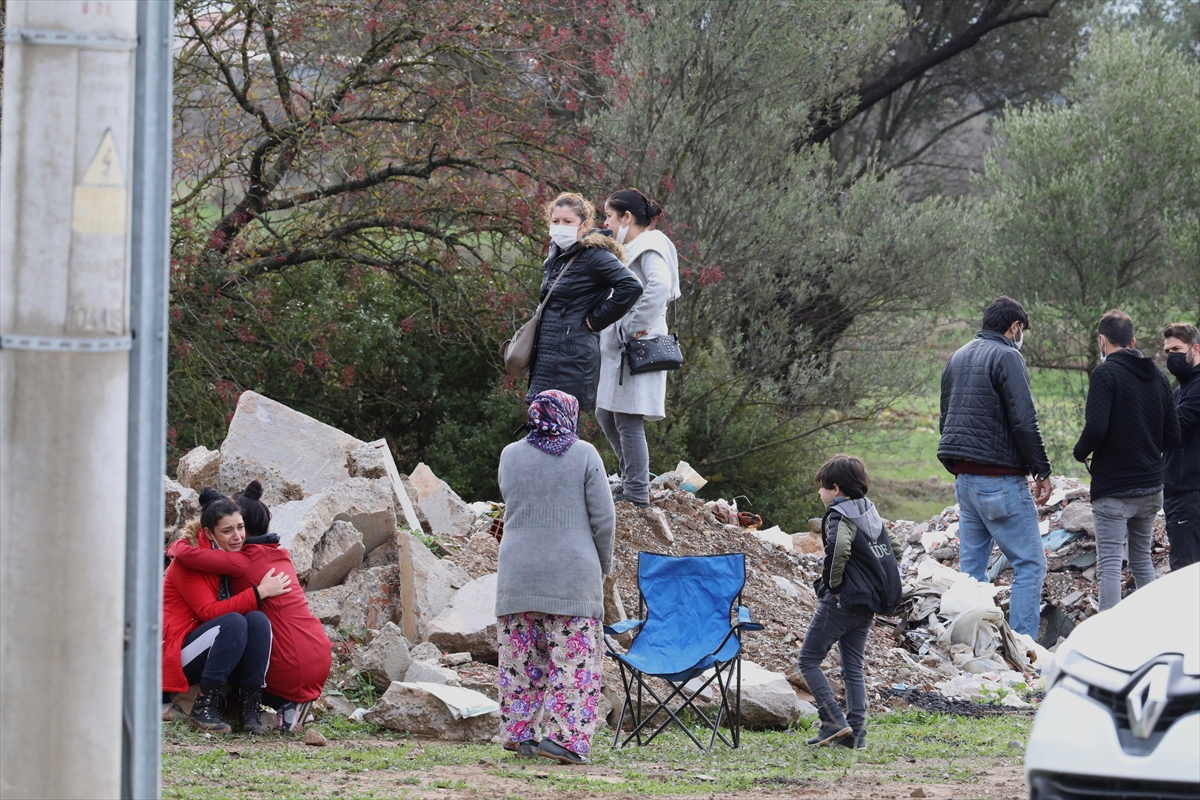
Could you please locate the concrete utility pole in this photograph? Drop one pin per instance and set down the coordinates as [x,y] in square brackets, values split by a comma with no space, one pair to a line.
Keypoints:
[65,158]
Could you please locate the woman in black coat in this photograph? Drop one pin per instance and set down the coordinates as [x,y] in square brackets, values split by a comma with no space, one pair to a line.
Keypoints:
[594,293]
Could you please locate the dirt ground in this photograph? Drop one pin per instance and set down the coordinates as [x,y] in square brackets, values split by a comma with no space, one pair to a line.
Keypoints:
[507,777]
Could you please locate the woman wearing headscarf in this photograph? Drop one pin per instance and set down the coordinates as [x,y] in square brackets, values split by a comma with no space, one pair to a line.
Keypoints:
[594,291]
[624,402]
[557,548]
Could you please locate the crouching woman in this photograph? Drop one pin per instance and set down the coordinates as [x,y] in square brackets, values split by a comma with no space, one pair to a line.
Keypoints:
[213,635]
[300,651]
[557,548]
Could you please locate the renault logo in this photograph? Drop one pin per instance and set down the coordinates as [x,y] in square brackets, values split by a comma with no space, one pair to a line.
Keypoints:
[1147,699]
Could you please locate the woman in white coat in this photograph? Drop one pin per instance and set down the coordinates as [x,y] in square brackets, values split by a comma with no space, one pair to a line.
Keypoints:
[623,401]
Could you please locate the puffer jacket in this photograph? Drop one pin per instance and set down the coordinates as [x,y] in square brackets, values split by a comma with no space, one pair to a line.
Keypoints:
[599,288]
[987,409]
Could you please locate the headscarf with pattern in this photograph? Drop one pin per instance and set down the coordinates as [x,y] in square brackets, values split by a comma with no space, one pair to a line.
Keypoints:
[553,419]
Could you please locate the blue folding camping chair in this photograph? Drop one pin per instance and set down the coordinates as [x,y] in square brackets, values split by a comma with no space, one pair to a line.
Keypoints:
[688,627]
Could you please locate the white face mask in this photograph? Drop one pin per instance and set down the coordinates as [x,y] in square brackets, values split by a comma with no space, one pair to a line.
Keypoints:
[1103,355]
[1019,342]
[564,235]
[622,232]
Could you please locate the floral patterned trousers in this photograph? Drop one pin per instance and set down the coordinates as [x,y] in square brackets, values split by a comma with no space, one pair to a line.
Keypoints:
[550,672]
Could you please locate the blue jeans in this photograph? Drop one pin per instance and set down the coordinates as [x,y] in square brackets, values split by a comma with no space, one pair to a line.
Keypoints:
[1000,510]
[847,626]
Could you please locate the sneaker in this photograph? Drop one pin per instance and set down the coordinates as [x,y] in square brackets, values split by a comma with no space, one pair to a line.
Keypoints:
[292,716]
[172,712]
[548,749]
[828,736]
[525,749]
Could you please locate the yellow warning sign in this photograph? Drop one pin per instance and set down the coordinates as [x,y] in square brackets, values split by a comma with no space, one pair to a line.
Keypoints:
[99,202]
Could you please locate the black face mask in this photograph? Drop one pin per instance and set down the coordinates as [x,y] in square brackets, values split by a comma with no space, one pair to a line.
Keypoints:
[1177,364]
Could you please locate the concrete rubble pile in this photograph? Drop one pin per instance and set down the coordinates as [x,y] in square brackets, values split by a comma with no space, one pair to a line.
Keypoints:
[402,573]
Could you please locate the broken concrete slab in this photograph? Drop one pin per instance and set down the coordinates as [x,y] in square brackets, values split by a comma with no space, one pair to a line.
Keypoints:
[374,460]
[367,504]
[482,678]
[387,658]
[428,672]
[409,709]
[182,503]
[199,467]
[326,605]
[300,525]
[1078,517]
[339,551]
[797,591]
[808,543]
[427,584]
[448,515]
[768,700]
[372,598]
[284,442]
[468,622]
[426,651]
[658,524]
[364,503]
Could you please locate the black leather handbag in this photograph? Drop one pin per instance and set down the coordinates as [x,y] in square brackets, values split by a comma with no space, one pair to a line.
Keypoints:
[650,355]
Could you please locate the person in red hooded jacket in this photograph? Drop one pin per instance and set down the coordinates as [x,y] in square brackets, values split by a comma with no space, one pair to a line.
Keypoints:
[301,653]
[210,634]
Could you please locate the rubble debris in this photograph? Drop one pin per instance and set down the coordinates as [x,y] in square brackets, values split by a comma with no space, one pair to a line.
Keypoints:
[182,504]
[199,467]
[339,551]
[314,738]
[292,454]
[387,658]
[326,605]
[429,672]
[768,700]
[448,515]
[414,709]
[427,583]
[426,651]
[468,622]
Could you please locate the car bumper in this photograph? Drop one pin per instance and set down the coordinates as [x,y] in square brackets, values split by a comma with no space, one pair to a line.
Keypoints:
[1074,735]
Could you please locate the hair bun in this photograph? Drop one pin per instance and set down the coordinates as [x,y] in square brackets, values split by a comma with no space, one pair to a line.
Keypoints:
[253,490]
[208,494]
[653,209]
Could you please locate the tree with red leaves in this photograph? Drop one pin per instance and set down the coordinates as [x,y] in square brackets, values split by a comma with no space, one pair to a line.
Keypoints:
[358,182]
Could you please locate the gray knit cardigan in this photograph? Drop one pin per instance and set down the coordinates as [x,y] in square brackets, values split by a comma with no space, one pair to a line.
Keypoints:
[558,532]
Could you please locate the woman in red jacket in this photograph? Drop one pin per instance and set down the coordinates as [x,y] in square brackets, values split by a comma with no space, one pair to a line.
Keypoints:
[301,653]
[211,635]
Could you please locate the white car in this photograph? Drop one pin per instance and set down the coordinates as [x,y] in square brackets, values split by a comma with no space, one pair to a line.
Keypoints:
[1121,718]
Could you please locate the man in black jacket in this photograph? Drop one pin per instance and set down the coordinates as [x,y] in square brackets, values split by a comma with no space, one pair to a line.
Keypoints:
[990,442]
[1130,421]
[1181,464]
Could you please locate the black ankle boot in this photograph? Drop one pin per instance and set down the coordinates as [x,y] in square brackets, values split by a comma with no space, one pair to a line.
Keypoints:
[251,712]
[204,713]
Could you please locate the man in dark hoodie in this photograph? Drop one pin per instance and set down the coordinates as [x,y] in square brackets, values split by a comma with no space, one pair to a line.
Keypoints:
[1181,464]
[860,578]
[1130,421]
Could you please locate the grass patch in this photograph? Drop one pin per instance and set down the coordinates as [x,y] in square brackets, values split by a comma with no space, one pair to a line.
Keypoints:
[905,746]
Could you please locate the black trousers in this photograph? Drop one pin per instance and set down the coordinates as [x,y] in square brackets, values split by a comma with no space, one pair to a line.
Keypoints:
[232,648]
[1183,527]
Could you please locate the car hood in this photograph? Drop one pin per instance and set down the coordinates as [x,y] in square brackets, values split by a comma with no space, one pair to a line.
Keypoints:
[1163,617]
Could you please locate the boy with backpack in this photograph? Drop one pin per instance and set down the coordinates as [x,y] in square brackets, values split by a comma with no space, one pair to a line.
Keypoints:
[860,578]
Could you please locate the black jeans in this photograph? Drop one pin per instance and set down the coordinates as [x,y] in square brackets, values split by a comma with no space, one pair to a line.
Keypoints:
[232,648]
[1182,510]
[848,626]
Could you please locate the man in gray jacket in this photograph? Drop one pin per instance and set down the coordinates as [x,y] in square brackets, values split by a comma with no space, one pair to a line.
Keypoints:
[991,442]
